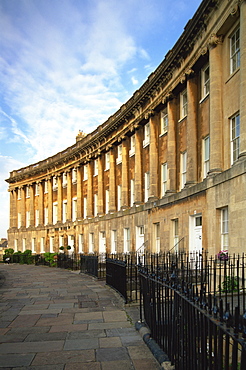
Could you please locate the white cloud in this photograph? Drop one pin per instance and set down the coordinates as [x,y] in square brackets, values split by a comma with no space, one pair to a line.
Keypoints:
[134,81]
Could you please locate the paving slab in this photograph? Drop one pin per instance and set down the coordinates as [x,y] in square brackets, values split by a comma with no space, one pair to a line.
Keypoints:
[54,319]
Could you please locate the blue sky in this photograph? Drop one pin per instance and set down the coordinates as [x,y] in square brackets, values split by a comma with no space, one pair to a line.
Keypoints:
[67,65]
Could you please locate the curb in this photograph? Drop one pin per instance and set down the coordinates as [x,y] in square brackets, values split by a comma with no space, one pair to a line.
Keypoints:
[157,352]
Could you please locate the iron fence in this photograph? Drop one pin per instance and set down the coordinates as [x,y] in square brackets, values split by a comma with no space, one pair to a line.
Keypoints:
[94,265]
[195,309]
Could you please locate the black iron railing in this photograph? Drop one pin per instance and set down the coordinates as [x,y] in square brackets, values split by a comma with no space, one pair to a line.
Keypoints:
[195,309]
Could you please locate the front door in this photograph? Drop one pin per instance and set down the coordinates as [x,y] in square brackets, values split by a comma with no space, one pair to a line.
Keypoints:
[195,242]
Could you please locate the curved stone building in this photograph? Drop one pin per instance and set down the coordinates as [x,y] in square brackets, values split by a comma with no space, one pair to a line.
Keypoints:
[166,171]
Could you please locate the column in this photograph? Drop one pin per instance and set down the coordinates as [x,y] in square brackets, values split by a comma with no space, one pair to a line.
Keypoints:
[171,146]
[100,186]
[13,208]
[90,190]
[59,197]
[125,174]
[79,193]
[153,157]
[69,195]
[191,177]
[31,208]
[41,203]
[50,200]
[138,167]
[215,100]
[112,187]
[242,79]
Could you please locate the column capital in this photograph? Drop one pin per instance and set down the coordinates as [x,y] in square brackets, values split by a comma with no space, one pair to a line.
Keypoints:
[215,40]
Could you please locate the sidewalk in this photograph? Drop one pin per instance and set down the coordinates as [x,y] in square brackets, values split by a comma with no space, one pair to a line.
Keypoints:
[52,319]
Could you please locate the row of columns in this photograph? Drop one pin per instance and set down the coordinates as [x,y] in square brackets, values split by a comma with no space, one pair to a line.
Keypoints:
[216,159]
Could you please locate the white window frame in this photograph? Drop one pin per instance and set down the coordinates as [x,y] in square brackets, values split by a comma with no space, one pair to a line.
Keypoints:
[28,191]
[127,240]
[107,161]
[81,243]
[46,216]
[91,243]
[146,140]
[119,154]
[175,235]
[36,189]
[64,179]
[74,175]
[36,217]
[28,221]
[106,201]
[19,220]
[23,244]
[42,245]
[19,194]
[164,121]
[157,237]
[33,245]
[235,137]
[224,228]
[95,204]
[183,104]
[45,187]
[55,213]
[205,82]
[206,156]
[55,184]
[235,50]
[113,241]
[16,245]
[164,174]
[74,209]
[132,192]
[146,186]
[132,145]
[119,197]
[61,241]
[85,172]
[64,211]
[183,169]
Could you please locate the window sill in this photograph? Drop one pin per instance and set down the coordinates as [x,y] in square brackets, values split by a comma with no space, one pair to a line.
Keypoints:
[232,74]
[163,134]
[204,98]
[182,119]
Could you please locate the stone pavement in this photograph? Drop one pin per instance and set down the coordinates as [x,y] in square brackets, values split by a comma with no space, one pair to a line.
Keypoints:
[53,319]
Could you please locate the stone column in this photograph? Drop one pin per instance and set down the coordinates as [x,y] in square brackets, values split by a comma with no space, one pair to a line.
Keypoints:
[112,185]
[125,174]
[153,157]
[138,168]
[50,201]
[79,193]
[215,99]
[192,93]
[31,208]
[90,190]
[242,79]
[59,197]
[171,146]
[69,195]
[13,208]
[100,186]
[41,203]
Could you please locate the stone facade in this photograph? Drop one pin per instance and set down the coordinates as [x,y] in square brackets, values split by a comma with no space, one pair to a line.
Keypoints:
[166,171]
